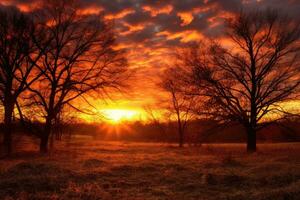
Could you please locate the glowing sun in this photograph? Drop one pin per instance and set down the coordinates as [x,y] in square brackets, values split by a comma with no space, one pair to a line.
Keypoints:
[119,115]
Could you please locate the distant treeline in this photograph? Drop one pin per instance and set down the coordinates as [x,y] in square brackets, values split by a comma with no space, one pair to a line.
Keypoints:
[199,131]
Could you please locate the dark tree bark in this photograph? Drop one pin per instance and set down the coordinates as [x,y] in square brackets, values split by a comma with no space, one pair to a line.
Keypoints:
[7,139]
[45,136]
[181,136]
[44,142]
[251,140]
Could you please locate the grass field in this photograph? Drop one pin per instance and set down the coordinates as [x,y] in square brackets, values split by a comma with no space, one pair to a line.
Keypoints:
[116,170]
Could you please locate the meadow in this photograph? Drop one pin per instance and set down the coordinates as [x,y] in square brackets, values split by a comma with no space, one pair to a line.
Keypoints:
[91,169]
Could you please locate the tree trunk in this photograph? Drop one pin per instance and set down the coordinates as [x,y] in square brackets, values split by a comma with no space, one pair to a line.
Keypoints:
[7,139]
[45,137]
[251,140]
[44,144]
[181,139]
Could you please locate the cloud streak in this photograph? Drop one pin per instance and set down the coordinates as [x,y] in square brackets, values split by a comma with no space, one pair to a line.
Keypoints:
[150,29]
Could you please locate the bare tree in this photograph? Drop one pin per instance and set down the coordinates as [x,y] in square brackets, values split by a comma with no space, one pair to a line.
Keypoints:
[80,59]
[155,120]
[17,58]
[180,104]
[249,82]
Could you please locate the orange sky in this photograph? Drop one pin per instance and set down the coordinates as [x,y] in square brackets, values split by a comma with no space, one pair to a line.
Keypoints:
[150,30]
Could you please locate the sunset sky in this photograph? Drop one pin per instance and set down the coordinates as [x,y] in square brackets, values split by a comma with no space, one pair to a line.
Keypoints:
[150,30]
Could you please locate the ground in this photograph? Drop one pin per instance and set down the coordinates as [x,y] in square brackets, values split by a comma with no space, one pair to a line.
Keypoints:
[83,169]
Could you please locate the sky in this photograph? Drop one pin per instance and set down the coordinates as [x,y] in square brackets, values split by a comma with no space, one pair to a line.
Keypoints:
[150,30]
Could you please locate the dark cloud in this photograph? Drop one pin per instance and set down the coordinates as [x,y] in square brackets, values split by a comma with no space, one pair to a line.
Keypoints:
[144,35]
[138,17]
[111,6]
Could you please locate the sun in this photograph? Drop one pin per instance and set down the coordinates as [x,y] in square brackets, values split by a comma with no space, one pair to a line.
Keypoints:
[116,116]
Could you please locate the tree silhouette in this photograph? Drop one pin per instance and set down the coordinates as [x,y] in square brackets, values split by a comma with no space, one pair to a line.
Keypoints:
[249,81]
[180,104]
[17,61]
[80,59]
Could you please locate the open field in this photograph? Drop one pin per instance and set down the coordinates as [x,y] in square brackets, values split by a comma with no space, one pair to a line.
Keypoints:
[116,170]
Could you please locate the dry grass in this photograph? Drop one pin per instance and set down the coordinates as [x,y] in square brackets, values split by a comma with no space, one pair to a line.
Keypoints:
[115,170]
